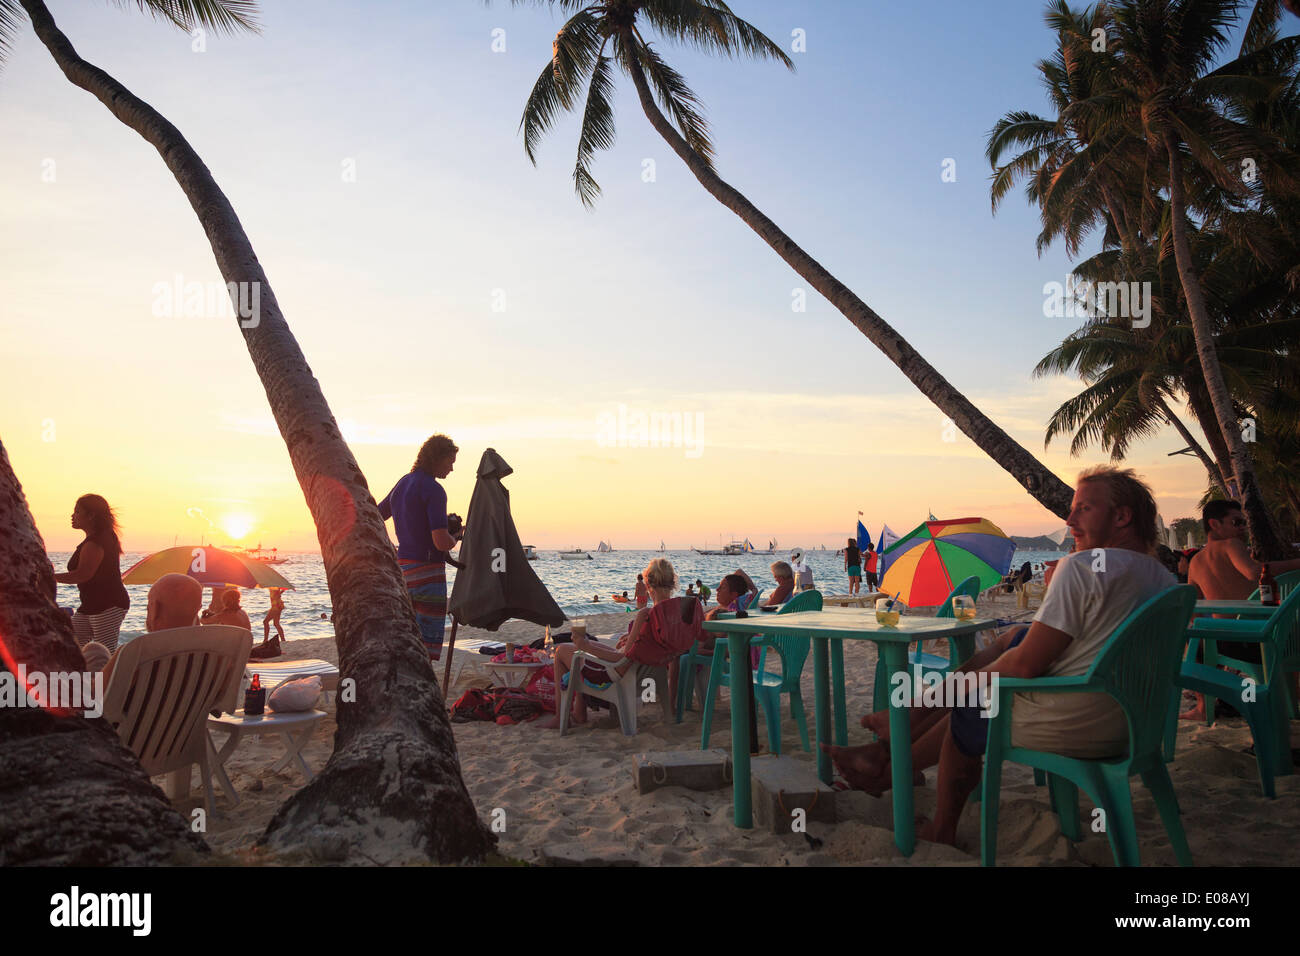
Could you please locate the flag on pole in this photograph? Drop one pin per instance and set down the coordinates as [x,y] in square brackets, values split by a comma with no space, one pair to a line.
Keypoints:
[864,537]
[887,538]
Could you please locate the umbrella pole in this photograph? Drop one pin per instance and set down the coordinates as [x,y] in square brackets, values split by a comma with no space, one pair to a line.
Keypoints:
[446,671]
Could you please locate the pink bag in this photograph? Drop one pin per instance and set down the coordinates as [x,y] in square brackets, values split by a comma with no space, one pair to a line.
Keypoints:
[542,686]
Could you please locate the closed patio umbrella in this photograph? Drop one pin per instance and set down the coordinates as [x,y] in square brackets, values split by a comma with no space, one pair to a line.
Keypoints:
[495,582]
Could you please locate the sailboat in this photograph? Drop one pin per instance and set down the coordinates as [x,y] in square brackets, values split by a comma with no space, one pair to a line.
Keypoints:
[661,546]
[603,548]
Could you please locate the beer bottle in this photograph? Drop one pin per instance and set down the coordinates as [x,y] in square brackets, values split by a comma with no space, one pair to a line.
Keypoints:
[1267,587]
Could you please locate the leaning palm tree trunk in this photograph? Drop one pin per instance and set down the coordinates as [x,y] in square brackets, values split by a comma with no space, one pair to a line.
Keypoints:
[394,755]
[70,793]
[1038,480]
[1263,530]
[1216,478]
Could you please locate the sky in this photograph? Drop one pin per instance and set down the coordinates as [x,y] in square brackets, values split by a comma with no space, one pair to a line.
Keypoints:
[439,282]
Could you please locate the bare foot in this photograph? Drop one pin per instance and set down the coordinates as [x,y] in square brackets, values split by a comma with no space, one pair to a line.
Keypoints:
[1196,713]
[878,723]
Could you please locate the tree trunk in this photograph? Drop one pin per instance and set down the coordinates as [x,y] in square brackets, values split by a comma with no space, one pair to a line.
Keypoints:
[1199,402]
[1263,530]
[394,771]
[1215,478]
[1054,494]
[70,793]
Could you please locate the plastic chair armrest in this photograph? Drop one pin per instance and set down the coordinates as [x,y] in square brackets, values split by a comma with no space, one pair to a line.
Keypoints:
[1052,685]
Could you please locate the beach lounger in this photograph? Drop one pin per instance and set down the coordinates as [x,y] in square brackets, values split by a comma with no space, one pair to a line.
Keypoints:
[272,675]
[160,691]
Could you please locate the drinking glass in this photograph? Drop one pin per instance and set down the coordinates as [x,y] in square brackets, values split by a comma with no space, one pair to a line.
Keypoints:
[888,612]
[963,607]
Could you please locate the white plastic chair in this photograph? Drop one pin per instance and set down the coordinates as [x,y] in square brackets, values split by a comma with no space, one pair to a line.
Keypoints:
[623,692]
[160,691]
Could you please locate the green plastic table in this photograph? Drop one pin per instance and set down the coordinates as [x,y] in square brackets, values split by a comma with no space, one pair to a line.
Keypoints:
[828,629]
[1250,608]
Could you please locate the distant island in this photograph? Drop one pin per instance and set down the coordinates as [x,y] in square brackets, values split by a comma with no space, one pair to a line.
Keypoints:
[1041,543]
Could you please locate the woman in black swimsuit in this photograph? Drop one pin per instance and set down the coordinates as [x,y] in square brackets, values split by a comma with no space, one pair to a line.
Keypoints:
[96,569]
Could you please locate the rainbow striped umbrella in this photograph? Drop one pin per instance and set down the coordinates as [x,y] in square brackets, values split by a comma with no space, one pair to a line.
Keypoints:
[927,563]
[209,566]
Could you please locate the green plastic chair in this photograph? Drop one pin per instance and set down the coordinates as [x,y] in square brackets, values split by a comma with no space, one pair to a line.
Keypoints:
[1212,658]
[928,663]
[1268,714]
[768,688]
[1137,667]
[690,664]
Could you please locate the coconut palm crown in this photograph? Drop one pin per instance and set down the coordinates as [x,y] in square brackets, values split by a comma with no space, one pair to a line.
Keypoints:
[603,36]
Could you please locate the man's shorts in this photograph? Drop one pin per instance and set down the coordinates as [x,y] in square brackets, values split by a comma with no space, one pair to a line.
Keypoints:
[970,730]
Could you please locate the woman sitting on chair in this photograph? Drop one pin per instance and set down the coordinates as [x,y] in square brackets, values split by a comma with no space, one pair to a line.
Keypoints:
[661,579]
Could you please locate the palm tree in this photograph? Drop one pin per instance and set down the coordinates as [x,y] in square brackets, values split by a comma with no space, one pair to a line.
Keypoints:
[1097,164]
[394,754]
[605,35]
[1164,51]
[65,782]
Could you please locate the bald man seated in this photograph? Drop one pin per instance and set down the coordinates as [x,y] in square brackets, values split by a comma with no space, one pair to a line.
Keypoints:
[174,601]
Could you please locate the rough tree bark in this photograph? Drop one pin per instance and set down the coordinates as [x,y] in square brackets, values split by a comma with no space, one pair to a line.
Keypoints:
[392,789]
[1263,529]
[70,793]
[1054,494]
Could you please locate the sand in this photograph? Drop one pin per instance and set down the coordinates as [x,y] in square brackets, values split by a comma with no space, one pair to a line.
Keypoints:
[572,799]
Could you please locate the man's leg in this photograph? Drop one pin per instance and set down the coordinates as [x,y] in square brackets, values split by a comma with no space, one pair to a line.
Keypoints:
[959,775]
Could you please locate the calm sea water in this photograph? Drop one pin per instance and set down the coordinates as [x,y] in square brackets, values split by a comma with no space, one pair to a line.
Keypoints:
[579,587]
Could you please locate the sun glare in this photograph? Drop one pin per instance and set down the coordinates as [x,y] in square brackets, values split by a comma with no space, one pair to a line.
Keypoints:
[237,526]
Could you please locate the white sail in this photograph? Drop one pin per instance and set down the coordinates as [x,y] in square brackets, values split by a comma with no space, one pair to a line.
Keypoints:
[1059,535]
[661,546]
[602,547]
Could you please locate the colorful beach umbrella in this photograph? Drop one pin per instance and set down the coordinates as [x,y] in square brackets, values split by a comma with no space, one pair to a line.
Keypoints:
[927,563]
[209,566]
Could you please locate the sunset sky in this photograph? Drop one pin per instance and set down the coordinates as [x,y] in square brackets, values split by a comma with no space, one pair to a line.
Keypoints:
[451,286]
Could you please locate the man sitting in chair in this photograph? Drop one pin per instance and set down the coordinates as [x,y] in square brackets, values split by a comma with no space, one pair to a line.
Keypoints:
[1110,574]
[174,601]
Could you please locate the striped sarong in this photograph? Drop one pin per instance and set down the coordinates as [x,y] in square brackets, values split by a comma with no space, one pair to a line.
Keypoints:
[103,627]
[426,582]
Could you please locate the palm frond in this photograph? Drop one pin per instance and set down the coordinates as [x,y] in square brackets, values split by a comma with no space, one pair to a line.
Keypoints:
[710,25]
[597,130]
[221,16]
[677,99]
[12,18]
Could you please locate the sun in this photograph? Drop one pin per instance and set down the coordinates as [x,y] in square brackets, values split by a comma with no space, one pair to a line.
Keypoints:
[237,526]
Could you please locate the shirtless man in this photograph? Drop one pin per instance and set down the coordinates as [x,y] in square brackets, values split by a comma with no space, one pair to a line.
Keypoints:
[1224,571]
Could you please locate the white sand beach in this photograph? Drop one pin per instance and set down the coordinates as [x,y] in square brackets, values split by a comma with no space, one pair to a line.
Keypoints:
[572,799]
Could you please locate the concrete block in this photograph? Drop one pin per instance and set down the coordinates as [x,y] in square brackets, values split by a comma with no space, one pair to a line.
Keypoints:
[692,769]
[783,784]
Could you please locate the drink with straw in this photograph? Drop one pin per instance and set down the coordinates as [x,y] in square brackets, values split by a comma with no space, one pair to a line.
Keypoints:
[888,612]
[963,607]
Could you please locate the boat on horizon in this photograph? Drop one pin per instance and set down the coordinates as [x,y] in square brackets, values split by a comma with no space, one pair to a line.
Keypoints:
[530,552]
[603,548]
[734,548]
[261,554]
[575,554]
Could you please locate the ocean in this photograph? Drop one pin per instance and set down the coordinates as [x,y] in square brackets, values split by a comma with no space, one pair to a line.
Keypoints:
[579,587]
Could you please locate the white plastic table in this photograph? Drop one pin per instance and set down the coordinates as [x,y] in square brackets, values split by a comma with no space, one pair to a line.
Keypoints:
[295,728]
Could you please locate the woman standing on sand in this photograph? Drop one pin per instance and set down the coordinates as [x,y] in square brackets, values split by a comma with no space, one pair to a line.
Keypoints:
[96,569]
